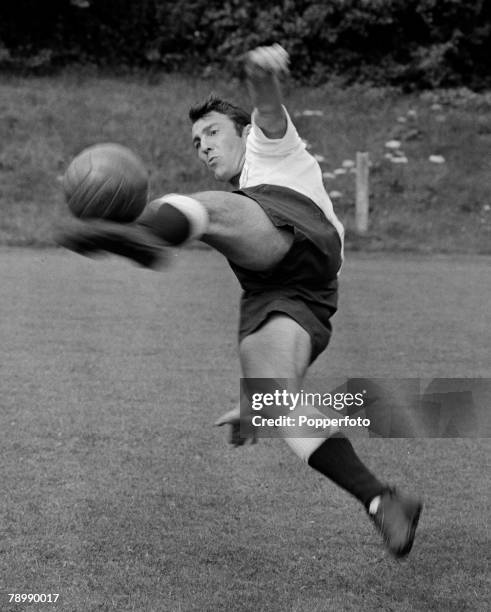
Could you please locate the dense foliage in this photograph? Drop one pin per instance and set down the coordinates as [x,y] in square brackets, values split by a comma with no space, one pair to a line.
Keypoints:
[416,43]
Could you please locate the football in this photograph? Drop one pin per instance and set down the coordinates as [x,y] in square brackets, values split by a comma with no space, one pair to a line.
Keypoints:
[106,181]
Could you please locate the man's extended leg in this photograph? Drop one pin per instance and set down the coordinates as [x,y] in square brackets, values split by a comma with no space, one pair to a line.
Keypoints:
[281,349]
[233,224]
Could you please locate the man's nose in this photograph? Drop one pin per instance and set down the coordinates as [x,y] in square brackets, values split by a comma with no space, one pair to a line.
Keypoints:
[205,147]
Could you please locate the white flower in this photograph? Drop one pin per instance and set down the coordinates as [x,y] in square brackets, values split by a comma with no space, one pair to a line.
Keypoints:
[412,113]
[319,158]
[328,175]
[401,119]
[436,107]
[335,195]
[340,171]
[486,207]
[392,144]
[399,159]
[436,159]
[348,163]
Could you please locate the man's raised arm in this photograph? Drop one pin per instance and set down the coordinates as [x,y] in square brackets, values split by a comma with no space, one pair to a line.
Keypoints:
[263,67]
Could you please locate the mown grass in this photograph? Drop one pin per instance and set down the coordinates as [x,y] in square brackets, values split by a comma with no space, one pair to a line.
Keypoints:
[119,494]
[44,122]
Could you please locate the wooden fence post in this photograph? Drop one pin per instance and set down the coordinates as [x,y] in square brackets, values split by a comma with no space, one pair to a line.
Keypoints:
[362,193]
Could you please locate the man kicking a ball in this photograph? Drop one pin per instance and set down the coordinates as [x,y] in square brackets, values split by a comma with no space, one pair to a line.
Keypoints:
[283,241]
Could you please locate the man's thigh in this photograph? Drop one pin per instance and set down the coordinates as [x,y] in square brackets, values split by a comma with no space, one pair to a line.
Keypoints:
[242,231]
[278,351]
[280,348]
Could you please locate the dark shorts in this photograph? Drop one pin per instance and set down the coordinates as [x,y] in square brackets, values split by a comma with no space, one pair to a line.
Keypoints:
[304,284]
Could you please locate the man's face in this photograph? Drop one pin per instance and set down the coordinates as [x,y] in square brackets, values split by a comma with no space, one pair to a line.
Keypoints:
[219,146]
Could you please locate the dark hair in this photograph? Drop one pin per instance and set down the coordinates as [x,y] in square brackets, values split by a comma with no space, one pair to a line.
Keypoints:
[238,115]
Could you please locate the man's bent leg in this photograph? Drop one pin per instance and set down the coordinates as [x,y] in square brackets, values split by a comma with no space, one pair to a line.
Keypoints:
[281,349]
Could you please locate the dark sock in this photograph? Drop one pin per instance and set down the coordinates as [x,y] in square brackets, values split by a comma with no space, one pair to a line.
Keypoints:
[167,222]
[336,459]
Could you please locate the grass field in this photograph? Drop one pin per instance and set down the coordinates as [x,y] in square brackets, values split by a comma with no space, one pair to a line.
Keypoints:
[118,493]
[418,205]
